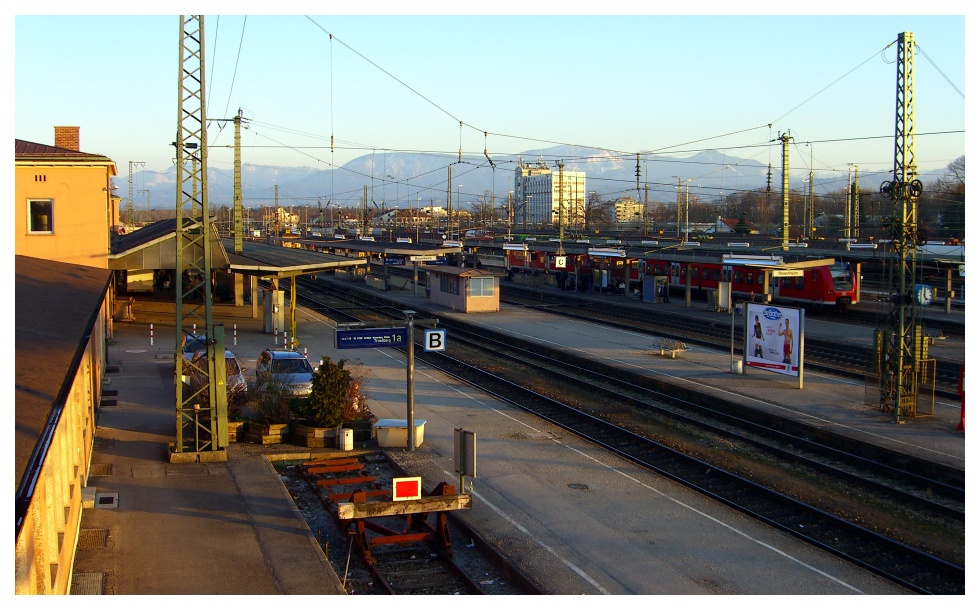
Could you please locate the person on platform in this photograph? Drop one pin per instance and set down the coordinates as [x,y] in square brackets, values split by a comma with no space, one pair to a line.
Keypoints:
[665,293]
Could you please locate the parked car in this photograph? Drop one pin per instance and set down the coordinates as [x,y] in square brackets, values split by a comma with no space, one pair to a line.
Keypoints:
[193,344]
[288,368]
[235,382]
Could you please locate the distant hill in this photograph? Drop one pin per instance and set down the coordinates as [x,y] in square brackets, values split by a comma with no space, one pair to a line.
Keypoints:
[408,179]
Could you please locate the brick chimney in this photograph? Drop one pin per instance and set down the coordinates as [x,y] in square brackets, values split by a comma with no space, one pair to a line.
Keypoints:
[67,137]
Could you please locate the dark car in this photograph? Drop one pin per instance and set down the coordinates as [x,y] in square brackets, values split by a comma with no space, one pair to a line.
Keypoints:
[287,368]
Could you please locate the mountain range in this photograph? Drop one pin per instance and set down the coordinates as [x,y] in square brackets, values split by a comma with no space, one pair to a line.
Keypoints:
[397,179]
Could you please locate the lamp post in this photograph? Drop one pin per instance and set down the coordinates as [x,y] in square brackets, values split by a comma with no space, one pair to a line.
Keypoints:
[806,228]
[459,206]
[687,202]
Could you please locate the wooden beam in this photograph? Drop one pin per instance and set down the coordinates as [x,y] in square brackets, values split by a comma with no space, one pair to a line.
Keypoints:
[428,504]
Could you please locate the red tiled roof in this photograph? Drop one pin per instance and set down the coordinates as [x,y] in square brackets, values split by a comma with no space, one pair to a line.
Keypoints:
[24,150]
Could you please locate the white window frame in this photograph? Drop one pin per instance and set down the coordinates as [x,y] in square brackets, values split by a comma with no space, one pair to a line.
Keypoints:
[30,217]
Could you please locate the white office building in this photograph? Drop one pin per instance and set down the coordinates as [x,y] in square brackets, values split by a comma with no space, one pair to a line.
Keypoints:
[548,196]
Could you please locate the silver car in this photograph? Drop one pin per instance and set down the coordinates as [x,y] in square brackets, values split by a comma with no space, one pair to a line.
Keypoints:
[286,368]
[235,383]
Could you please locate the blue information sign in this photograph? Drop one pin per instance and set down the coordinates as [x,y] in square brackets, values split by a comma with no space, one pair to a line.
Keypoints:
[369,337]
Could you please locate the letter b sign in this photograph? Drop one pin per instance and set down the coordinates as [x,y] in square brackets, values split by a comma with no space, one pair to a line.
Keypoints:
[435,340]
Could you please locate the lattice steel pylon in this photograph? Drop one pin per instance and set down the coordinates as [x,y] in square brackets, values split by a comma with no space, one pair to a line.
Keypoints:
[202,413]
[898,362]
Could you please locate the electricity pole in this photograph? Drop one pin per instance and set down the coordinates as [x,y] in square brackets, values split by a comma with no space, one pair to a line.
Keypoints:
[898,363]
[202,415]
[784,138]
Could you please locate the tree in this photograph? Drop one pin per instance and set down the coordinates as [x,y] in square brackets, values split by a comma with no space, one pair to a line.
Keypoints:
[336,396]
[950,191]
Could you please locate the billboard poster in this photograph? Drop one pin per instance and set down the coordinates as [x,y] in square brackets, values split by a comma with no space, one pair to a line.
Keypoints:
[774,338]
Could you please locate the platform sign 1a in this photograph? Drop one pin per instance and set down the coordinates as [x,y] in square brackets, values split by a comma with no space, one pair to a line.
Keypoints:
[435,340]
[370,337]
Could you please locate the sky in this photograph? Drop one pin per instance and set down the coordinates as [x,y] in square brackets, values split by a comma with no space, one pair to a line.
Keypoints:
[505,81]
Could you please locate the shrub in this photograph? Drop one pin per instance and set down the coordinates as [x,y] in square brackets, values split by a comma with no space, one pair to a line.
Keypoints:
[334,390]
[272,404]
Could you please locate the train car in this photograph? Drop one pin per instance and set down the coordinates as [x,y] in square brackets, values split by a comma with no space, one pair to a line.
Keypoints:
[828,285]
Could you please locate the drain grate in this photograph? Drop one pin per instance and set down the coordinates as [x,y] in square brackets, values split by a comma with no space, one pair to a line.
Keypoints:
[579,486]
[100,470]
[93,538]
[87,583]
[103,443]
[107,500]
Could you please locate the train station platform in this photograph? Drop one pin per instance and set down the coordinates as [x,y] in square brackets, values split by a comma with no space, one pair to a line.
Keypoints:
[575,518]
[825,401]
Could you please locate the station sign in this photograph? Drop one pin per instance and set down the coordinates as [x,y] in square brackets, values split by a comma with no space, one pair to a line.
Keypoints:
[370,337]
[787,273]
[422,258]
[435,340]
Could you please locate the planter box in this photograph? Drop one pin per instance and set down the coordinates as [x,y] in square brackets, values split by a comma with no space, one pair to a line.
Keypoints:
[310,436]
[363,429]
[266,434]
[236,431]
[394,432]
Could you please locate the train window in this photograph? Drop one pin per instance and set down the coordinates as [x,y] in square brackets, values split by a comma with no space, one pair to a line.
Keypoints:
[749,277]
[706,274]
[814,276]
[717,275]
[799,282]
[760,279]
[738,277]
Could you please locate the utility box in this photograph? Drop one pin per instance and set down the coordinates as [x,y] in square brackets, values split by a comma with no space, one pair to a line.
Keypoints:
[394,432]
[275,316]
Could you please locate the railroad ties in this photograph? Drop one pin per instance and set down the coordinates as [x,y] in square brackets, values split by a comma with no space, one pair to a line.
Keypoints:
[363,506]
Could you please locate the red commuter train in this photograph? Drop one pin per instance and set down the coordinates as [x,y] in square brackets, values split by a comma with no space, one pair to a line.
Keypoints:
[823,283]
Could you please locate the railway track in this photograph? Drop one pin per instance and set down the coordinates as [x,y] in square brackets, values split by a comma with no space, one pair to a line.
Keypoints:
[830,357]
[826,356]
[941,498]
[916,570]
[392,555]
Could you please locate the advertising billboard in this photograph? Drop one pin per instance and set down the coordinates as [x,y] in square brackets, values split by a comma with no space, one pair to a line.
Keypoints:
[774,338]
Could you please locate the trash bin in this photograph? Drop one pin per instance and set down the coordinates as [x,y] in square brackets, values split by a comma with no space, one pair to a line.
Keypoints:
[346,439]
[737,366]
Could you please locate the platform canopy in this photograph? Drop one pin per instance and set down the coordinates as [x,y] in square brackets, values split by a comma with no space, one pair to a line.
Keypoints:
[266,260]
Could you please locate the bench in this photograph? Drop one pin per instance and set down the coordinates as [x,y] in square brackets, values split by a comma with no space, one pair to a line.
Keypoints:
[668,346]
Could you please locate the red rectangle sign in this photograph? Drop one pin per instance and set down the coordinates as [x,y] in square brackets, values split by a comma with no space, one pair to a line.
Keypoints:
[407,488]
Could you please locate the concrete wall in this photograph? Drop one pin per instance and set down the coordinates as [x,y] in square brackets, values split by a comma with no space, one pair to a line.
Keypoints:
[81,216]
[45,547]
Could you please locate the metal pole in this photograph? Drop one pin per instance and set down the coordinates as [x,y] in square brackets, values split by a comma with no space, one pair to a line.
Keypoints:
[731,310]
[410,325]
